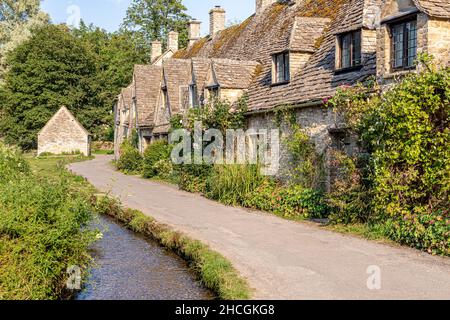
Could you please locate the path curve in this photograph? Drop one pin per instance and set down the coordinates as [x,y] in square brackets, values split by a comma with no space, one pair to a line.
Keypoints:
[281,259]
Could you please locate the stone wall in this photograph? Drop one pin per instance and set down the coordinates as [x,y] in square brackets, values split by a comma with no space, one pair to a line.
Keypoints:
[297,60]
[63,134]
[231,95]
[316,121]
[438,43]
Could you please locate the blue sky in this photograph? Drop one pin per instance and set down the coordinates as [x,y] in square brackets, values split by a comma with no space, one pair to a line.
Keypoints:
[108,14]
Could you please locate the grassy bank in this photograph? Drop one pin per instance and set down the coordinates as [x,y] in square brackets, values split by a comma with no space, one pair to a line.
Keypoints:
[43,219]
[215,272]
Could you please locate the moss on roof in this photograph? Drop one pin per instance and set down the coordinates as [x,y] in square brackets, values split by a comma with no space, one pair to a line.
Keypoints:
[230,35]
[191,51]
[322,8]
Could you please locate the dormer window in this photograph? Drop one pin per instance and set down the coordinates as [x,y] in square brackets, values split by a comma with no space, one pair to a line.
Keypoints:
[193,99]
[349,50]
[280,69]
[404,44]
[213,93]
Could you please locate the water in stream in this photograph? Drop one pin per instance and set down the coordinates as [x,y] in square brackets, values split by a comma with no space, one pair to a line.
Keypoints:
[130,267]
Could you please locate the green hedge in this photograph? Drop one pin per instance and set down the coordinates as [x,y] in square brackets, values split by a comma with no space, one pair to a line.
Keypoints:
[130,161]
[156,160]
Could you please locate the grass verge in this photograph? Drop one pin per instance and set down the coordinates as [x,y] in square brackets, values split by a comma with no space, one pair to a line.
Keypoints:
[43,232]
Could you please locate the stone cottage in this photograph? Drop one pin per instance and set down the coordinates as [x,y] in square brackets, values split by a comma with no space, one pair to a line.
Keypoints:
[64,134]
[296,54]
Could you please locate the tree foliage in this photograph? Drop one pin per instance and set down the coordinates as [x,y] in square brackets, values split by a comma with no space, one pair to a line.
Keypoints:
[50,70]
[17,20]
[154,19]
[82,69]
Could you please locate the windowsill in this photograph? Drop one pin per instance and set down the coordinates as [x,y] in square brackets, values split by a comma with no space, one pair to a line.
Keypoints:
[280,83]
[349,69]
[399,73]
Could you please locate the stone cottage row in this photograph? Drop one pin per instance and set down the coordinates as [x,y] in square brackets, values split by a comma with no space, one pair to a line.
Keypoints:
[294,53]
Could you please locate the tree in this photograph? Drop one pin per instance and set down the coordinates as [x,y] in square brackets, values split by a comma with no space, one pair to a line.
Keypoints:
[52,69]
[17,19]
[115,55]
[154,19]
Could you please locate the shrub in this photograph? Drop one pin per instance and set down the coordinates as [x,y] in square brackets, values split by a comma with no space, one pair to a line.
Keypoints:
[230,184]
[288,201]
[164,169]
[156,153]
[12,164]
[306,167]
[428,232]
[42,232]
[350,197]
[193,177]
[130,160]
[406,132]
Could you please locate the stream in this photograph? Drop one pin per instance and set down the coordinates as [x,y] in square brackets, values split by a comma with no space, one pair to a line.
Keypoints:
[128,266]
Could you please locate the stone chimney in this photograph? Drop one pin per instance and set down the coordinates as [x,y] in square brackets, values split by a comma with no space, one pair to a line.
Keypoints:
[172,41]
[216,20]
[156,49]
[262,5]
[194,31]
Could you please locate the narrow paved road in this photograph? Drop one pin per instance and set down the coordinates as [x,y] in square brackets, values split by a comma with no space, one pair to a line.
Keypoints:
[281,259]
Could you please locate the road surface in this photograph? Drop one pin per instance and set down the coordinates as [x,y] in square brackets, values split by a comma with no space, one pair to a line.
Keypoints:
[281,259]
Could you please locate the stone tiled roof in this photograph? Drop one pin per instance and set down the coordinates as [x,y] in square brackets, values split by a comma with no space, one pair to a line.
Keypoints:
[434,8]
[200,67]
[306,32]
[259,37]
[147,86]
[177,76]
[125,100]
[234,74]
[318,80]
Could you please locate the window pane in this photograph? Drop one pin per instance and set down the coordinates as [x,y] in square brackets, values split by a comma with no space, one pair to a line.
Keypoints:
[398,38]
[286,67]
[193,96]
[346,55]
[356,56]
[280,68]
[411,28]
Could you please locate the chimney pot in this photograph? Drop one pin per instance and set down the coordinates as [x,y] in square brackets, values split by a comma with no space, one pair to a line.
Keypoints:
[217,20]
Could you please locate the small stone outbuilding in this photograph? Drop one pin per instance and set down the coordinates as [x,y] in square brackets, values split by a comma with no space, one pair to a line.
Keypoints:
[64,134]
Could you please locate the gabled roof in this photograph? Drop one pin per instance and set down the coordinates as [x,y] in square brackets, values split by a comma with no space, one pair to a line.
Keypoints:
[434,8]
[306,32]
[166,55]
[233,74]
[61,112]
[200,67]
[126,100]
[147,85]
[177,76]
[318,81]
[261,36]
